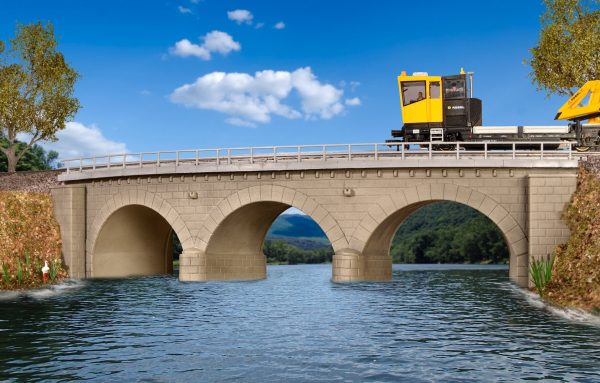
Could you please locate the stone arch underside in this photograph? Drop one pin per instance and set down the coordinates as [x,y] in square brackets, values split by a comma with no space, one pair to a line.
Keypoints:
[132,235]
[233,235]
[372,238]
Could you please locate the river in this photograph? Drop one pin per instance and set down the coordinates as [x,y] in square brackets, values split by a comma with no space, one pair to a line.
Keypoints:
[432,323]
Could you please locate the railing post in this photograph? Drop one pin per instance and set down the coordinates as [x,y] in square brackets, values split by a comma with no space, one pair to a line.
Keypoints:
[141,160]
[275,154]
[108,163]
[176,158]
[324,154]
[570,150]
[218,159]
[124,160]
[514,153]
[197,157]
[80,165]
[457,150]
[485,150]
[93,164]
[430,150]
[349,152]
[158,159]
[229,156]
[402,151]
[376,152]
[299,158]
[251,155]
[541,151]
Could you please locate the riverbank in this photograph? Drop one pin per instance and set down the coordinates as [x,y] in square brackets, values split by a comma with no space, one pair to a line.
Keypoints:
[29,236]
[576,273]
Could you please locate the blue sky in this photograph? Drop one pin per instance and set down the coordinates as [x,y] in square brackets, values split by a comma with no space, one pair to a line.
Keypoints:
[161,75]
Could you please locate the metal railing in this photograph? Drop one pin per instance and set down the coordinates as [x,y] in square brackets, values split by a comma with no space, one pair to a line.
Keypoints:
[347,152]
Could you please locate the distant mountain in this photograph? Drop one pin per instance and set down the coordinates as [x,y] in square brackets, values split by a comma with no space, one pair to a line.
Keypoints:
[295,226]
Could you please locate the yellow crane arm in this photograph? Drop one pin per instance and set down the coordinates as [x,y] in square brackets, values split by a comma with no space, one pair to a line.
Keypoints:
[574,110]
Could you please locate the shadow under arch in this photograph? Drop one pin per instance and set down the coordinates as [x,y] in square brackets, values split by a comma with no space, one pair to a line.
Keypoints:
[133,223]
[237,228]
[135,240]
[383,221]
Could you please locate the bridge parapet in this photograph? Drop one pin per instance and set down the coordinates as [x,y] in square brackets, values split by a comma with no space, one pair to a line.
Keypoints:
[333,156]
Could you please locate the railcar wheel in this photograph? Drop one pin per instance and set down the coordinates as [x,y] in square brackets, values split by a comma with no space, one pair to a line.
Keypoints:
[582,149]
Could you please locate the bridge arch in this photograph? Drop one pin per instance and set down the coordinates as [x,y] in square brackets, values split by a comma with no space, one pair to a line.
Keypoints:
[233,235]
[131,235]
[373,236]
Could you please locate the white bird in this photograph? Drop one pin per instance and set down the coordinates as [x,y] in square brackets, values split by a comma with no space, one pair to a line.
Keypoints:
[45,269]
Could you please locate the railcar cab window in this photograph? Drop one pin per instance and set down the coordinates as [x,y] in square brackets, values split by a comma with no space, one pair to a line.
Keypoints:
[454,89]
[412,91]
[434,89]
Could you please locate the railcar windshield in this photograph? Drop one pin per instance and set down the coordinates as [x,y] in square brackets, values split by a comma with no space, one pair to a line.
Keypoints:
[454,88]
[412,91]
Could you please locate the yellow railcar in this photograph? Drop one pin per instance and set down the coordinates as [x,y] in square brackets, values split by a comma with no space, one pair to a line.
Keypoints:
[438,107]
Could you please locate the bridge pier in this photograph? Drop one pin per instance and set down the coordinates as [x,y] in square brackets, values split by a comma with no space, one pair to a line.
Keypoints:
[350,266]
[196,265]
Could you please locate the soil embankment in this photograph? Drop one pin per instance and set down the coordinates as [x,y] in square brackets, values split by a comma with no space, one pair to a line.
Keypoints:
[29,234]
[37,182]
[576,274]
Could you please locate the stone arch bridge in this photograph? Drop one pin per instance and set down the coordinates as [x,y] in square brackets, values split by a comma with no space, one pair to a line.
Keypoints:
[116,213]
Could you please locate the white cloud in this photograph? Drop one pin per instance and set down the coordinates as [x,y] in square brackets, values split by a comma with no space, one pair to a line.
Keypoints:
[240,122]
[215,41]
[78,140]
[240,16]
[353,101]
[317,99]
[279,25]
[184,10]
[293,211]
[254,99]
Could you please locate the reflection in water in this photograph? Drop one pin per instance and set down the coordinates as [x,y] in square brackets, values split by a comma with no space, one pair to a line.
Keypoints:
[432,323]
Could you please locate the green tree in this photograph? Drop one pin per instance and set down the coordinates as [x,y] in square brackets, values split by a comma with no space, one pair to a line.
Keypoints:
[36,90]
[568,51]
[34,159]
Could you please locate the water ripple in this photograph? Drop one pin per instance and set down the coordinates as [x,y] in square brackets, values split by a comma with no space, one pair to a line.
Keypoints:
[432,323]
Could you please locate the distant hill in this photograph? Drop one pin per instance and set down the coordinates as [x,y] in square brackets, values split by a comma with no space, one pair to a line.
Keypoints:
[295,226]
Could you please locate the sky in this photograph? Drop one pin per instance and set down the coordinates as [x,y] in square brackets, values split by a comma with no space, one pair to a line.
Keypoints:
[187,74]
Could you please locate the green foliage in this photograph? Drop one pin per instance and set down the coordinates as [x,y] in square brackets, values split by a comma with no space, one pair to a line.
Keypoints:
[55,268]
[177,248]
[36,90]
[19,273]
[568,50]
[541,273]
[278,251]
[448,232]
[34,159]
[5,274]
